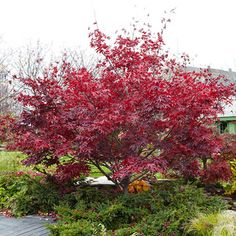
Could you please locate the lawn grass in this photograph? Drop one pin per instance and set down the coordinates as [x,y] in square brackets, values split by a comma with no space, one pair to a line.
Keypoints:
[95,172]
[11,162]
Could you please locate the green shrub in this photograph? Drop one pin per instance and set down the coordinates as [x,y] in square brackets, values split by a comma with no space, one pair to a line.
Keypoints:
[115,215]
[180,204]
[82,227]
[163,211]
[230,188]
[27,195]
[129,231]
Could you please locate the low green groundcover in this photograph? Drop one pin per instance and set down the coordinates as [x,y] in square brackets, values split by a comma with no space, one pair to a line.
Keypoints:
[24,194]
[165,210]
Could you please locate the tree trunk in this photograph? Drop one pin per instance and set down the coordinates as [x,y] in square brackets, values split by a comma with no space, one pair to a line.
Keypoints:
[204,162]
[125,184]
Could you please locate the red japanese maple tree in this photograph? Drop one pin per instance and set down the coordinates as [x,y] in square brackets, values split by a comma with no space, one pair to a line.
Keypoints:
[143,112]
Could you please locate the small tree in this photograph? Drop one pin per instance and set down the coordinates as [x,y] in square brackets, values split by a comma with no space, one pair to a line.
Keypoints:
[142,113]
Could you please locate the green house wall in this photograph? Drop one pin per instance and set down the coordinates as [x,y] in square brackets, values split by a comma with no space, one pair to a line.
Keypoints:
[231,123]
[231,128]
[228,118]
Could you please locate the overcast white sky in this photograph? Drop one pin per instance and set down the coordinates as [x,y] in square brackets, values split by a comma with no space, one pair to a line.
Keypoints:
[204,29]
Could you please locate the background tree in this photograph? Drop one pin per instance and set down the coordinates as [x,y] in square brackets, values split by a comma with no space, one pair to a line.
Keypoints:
[7,88]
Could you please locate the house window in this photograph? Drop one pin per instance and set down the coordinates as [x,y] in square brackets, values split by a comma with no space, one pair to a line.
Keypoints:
[223,127]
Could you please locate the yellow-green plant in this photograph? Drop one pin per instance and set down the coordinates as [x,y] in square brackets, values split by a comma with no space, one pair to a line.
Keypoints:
[202,225]
[217,224]
[230,188]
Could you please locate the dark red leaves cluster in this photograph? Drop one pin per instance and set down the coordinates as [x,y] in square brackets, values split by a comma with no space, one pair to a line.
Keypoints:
[217,170]
[70,171]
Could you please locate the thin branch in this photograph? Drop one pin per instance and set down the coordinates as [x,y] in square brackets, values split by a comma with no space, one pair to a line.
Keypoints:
[140,176]
[95,163]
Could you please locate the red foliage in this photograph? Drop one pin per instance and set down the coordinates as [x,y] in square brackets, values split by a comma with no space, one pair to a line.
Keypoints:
[32,174]
[69,171]
[217,170]
[228,150]
[5,124]
[142,112]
